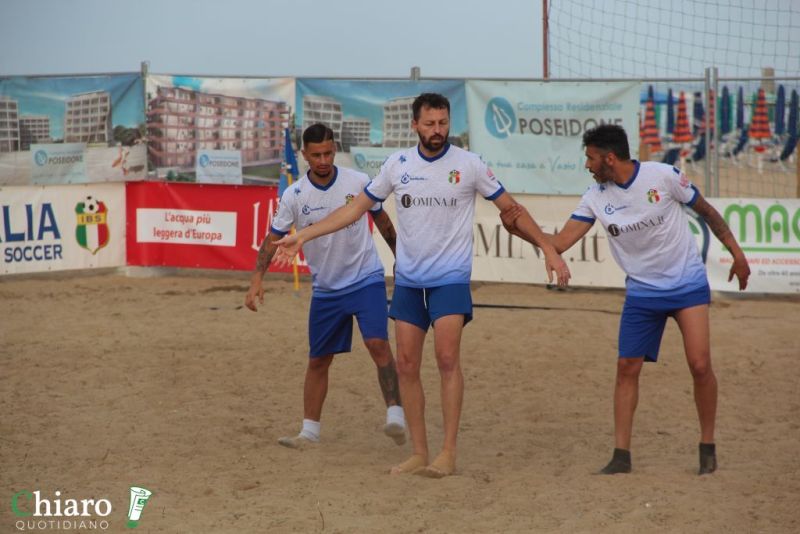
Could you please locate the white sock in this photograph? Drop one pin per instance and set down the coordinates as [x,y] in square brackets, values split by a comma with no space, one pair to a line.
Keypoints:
[395,414]
[310,430]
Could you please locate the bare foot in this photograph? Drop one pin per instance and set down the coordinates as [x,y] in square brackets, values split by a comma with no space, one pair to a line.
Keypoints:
[444,465]
[412,465]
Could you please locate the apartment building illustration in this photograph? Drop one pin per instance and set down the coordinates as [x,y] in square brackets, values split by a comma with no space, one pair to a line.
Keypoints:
[326,110]
[397,115]
[182,121]
[87,118]
[9,125]
[355,132]
[34,129]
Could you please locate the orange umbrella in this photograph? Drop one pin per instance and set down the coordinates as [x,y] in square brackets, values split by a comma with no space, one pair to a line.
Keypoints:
[650,130]
[682,133]
[759,125]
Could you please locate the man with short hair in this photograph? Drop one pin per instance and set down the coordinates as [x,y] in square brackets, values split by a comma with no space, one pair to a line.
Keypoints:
[347,281]
[434,185]
[640,204]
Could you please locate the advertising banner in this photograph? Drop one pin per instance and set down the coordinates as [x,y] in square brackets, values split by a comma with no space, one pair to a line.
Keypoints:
[58,164]
[187,115]
[219,167]
[768,230]
[372,119]
[58,228]
[530,133]
[103,113]
[199,225]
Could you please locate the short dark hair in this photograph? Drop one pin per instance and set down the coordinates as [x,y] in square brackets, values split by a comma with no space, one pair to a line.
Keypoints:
[431,100]
[609,137]
[317,133]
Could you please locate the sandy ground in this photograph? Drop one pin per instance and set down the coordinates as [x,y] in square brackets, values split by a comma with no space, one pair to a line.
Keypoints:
[169,383]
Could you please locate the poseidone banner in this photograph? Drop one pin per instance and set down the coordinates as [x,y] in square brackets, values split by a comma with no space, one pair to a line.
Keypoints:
[205,226]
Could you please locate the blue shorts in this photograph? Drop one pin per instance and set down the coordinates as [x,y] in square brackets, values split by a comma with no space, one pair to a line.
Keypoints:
[421,307]
[330,320]
[643,319]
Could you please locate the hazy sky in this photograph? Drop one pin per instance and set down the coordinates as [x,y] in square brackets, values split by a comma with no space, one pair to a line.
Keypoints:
[382,38]
[337,38]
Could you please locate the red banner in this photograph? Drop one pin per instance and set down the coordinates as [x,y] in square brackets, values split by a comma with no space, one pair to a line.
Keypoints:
[198,225]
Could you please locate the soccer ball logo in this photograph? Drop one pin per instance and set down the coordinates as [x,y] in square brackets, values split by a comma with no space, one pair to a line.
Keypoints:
[90,205]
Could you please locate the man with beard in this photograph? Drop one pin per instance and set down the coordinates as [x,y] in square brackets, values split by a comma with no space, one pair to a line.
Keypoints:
[434,186]
[641,206]
[348,281]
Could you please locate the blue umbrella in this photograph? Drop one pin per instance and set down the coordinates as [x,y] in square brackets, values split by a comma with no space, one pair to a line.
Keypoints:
[780,104]
[725,111]
[698,113]
[794,110]
[670,112]
[740,110]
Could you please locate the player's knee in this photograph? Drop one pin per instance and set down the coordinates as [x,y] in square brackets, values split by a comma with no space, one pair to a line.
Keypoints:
[408,365]
[701,369]
[380,350]
[628,368]
[321,364]
[447,361]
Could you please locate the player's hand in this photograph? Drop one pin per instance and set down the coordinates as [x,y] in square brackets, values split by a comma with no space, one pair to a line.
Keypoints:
[554,263]
[741,269]
[288,247]
[509,215]
[255,293]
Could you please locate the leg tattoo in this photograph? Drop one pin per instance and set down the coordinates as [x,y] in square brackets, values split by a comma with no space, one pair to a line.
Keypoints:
[387,378]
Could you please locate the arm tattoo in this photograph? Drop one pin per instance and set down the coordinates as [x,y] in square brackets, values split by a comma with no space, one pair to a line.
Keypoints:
[265,254]
[387,378]
[716,223]
[386,228]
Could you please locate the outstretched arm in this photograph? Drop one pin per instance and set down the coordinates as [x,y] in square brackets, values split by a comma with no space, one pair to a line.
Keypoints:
[528,230]
[386,228]
[572,231]
[265,254]
[719,227]
[348,214]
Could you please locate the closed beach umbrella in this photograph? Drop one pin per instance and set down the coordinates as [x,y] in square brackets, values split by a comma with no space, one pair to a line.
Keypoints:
[740,110]
[670,112]
[759,125]
[682,132]
[725,112]
[794,110]
[780,109]
[698,113]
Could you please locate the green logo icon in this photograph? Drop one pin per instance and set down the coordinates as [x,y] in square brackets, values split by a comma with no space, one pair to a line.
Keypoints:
[139,498]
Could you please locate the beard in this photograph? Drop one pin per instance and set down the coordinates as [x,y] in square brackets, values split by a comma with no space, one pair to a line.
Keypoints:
[433,143]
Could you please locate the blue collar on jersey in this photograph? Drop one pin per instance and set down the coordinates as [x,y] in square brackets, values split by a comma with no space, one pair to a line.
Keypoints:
[629,183]
[323,187]
[434,158]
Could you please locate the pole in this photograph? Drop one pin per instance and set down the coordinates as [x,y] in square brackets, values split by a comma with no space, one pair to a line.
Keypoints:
[545,44]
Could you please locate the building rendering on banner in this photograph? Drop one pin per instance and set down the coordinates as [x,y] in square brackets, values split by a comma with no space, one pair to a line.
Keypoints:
[87,118]
[397,116]
[355,132]
[34,129]
[9,125]
[182,121]
[326,110]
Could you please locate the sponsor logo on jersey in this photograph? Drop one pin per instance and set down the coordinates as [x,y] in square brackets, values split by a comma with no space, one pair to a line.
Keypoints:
[616,230]
[407,201]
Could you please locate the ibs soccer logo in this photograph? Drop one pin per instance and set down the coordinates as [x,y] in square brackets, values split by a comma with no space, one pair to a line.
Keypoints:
[455,177]
[91,231]
[499,117]
[652,196]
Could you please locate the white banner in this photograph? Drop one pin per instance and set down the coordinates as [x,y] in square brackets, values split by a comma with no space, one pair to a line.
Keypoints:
[186,227]
[62,227]
[63,163]
[767,230]
[530,133]
[219,167]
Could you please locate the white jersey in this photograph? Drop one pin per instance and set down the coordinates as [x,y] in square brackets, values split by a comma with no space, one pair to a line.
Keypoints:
[345,260]
[648,230]
[435,201]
